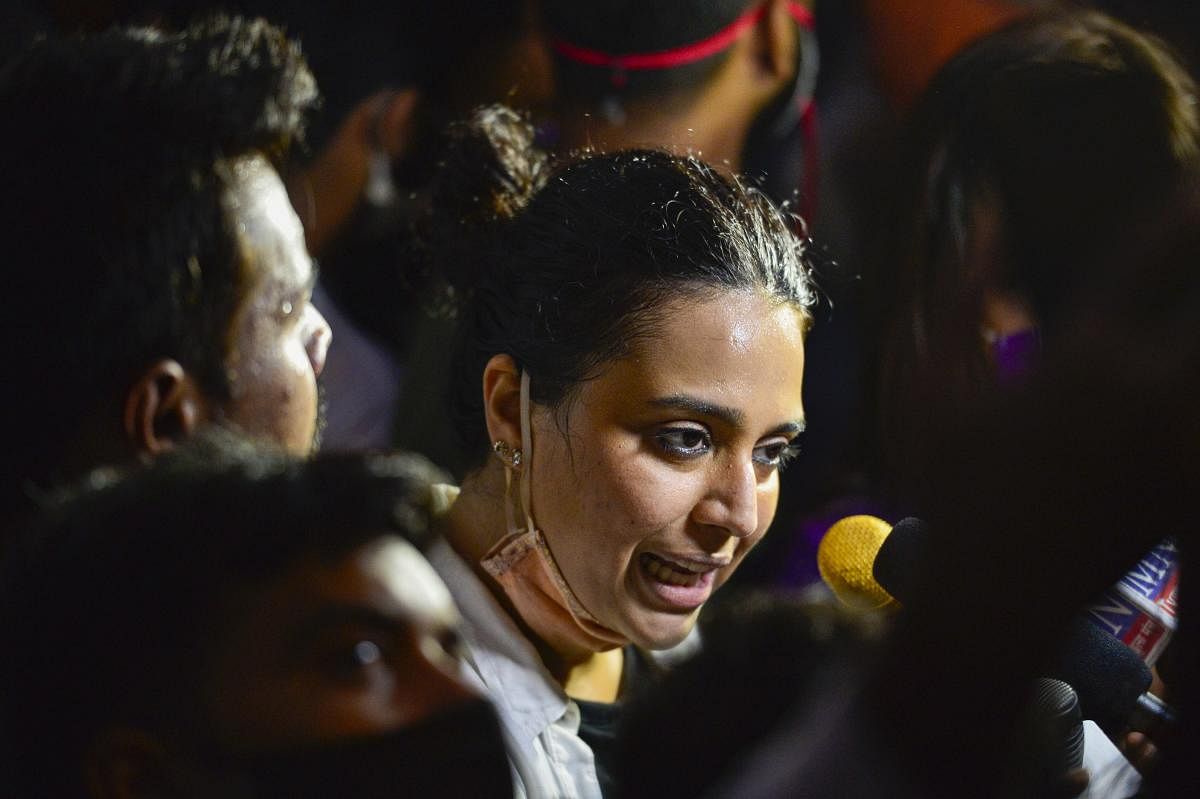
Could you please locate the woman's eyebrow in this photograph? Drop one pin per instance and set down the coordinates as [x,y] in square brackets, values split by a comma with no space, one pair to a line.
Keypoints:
[792,428]
[730,416]
[683,402]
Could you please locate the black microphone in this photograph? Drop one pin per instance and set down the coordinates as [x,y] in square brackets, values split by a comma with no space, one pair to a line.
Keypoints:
[1109,678]
[1053,730]
[901,558]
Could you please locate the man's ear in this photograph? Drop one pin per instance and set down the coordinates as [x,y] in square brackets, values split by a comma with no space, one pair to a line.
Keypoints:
[124,763]
[163,407]
[776,38]
[502,400]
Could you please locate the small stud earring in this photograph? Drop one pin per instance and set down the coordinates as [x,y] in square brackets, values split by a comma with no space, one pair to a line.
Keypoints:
[508,456]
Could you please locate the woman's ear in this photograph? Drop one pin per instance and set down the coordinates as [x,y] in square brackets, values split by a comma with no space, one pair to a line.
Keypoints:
[502,400]
[163,407]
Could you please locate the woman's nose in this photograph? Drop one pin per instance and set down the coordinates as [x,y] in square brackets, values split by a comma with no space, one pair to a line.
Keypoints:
[732,499]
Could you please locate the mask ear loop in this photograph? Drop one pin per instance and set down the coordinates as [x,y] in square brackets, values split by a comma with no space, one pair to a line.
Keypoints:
[510,518]
[526,454]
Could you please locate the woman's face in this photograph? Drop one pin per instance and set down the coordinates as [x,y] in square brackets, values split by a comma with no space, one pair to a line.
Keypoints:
[654,482]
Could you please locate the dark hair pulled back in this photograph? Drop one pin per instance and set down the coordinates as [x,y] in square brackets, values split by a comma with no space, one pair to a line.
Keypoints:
[566,264]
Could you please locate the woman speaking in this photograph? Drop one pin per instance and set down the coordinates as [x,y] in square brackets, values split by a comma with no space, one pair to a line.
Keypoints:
[627,378]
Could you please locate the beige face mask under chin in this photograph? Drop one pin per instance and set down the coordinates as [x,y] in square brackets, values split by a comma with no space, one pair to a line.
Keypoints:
[523,565]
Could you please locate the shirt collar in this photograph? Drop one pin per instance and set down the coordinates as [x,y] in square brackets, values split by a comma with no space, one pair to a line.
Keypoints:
[516,680]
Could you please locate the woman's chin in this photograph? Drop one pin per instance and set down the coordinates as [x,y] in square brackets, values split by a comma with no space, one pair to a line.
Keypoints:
[659,634]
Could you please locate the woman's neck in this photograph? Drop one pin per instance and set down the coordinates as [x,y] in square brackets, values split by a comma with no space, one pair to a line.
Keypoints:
[473,525]
[475,522]
[595,679]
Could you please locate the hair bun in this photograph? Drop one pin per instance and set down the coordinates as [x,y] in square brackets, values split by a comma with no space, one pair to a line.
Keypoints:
[491,170]
[494,154]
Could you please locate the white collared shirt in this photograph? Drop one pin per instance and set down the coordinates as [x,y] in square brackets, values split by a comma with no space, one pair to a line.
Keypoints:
[540,723]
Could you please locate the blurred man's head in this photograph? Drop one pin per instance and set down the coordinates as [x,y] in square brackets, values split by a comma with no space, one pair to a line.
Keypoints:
[156,275]
[244,625]
[673,73]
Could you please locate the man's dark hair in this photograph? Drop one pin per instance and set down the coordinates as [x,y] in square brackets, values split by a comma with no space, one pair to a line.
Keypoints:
[112,602]
[623,27]
[771,654]
[118,250]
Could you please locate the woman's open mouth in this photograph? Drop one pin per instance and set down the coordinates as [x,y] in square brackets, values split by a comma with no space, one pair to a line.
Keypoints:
[680,584]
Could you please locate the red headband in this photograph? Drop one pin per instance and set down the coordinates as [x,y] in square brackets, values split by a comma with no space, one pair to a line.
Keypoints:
[677,56]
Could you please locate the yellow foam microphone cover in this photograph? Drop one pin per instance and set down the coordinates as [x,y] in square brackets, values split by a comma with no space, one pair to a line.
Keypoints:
[845,557]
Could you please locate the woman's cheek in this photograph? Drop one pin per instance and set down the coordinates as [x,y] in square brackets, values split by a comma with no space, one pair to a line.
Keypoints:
[768,503]
[654,494]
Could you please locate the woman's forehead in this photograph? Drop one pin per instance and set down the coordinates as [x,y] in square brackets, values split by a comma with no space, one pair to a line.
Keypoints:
[736,349]
[728,328]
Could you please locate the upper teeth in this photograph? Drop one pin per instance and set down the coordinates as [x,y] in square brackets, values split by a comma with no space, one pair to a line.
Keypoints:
[670,572]
[679,567]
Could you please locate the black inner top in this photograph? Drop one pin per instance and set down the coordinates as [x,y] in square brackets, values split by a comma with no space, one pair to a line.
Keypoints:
[598,721]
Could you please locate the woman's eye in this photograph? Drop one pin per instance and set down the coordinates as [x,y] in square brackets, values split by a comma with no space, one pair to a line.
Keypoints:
[776,455]
[685,442]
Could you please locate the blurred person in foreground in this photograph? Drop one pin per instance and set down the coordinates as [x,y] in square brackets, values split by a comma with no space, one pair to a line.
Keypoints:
[1038,500]
[1058,190]
[1044,496]
[1036,151]
[156,274]
[764,650]
[239,624]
